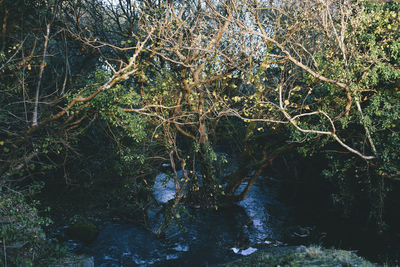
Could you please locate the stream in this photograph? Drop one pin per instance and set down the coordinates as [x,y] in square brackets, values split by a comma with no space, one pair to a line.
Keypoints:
[200,237]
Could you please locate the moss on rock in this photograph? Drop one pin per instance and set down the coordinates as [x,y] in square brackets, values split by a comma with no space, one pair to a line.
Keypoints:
[300,256]
[85,232]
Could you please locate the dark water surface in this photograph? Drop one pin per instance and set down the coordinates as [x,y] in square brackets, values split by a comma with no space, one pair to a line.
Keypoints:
[202,237]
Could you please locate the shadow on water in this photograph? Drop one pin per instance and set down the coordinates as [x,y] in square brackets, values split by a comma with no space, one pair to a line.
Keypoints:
[201,237]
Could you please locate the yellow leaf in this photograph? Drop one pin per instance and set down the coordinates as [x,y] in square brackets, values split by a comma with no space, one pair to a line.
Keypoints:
[265,65]
[286,102]
[236,98]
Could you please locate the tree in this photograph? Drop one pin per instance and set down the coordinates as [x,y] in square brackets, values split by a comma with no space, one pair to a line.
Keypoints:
[339,64]
[305,65]
[163,77]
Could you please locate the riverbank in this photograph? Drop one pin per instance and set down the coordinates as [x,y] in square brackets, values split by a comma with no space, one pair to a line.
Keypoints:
[300,256]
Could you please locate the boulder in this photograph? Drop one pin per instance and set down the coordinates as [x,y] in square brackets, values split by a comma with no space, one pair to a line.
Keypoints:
[85,232]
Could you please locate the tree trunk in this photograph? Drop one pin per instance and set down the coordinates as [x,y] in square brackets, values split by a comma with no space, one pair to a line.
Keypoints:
[42,65]
[246,167]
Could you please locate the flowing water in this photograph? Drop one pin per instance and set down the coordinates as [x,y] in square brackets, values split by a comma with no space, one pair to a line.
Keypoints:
[201,237]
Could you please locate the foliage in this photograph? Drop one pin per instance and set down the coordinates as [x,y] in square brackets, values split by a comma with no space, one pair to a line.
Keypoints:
[23,240]
[373,76]
[336,90]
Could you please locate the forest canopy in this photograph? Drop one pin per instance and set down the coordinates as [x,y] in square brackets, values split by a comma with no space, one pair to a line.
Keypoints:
[93,89]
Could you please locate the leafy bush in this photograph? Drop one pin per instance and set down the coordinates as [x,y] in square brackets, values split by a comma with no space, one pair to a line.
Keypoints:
[23,241]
